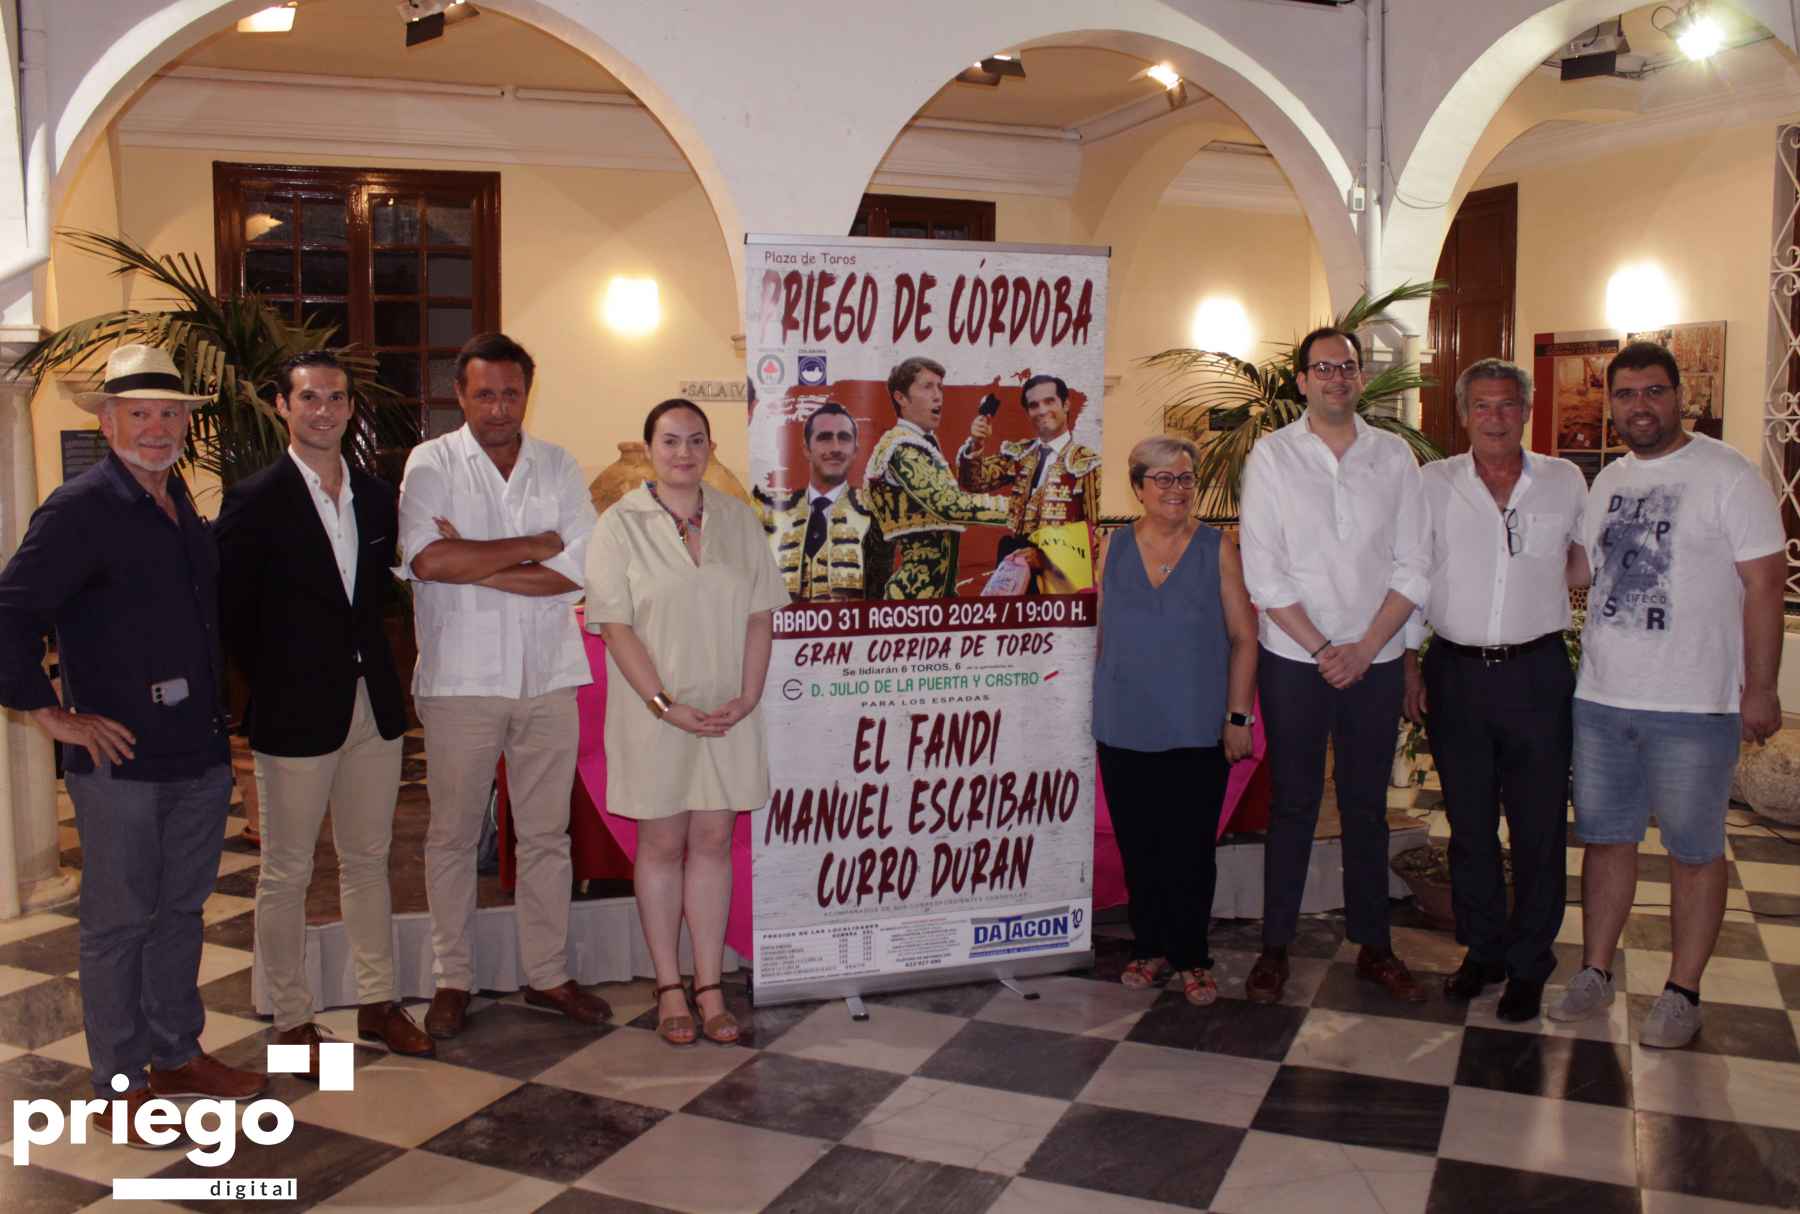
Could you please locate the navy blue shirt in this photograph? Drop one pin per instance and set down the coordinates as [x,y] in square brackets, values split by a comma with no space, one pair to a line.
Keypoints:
[133,599]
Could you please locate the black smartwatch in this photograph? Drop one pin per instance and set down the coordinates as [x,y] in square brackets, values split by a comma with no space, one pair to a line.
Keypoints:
[1240,718]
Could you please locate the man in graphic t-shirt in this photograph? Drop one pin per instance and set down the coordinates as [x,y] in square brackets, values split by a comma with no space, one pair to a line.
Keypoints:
[1678,662]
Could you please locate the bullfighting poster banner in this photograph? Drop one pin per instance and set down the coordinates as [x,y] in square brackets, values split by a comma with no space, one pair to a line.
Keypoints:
[925,422]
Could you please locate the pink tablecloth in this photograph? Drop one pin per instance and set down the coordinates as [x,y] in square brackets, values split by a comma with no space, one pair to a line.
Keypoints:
[1109,872]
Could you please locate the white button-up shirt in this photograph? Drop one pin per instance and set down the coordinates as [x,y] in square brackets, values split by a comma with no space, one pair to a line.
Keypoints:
[338,517]
[1333,535]
[1481,595]
[474,640]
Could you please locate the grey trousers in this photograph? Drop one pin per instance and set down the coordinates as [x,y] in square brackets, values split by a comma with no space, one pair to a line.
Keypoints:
[149,858]
[1300,710]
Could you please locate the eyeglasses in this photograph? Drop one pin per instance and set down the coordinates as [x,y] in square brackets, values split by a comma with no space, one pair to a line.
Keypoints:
[1323,370]
[1654,394]
[1515,543]
[1169,480]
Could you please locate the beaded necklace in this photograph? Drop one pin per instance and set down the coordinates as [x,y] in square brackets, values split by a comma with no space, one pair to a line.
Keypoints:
[682,525]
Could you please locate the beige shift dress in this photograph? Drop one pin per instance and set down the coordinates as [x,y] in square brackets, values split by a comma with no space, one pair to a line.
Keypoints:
[692,619]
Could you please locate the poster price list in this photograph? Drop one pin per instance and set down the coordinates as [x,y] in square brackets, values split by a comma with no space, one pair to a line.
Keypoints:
[797,954]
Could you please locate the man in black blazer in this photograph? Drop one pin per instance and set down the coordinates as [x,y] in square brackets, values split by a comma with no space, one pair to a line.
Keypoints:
[305,552]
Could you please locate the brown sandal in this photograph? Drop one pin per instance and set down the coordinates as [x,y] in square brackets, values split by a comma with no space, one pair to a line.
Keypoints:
[1199,988]
[676,1030]
[1145,972]
[723,1028]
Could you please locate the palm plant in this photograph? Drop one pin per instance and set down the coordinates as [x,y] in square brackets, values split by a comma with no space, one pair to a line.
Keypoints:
[227,347]
[1235,402]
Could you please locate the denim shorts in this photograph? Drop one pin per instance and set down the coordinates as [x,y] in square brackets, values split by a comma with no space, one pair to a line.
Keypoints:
[1631,763]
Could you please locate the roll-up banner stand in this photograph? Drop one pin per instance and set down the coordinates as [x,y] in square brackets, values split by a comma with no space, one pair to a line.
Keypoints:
[929,699]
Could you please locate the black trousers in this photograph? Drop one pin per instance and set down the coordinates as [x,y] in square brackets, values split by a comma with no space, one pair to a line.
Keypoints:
[1165,811]
[1500,736]
[1300,711]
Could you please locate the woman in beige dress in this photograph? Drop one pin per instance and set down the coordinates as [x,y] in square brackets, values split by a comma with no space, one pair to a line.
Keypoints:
[681,586]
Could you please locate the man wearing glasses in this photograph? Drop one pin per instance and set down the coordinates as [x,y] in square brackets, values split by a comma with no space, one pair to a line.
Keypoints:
[1678,664]
[1496,684]
[1336,549]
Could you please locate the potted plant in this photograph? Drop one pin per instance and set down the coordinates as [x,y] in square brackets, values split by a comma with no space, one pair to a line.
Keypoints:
[1426,871]
[1226,403]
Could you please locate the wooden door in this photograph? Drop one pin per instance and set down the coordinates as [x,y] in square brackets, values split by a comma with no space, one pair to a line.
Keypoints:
[1472,318]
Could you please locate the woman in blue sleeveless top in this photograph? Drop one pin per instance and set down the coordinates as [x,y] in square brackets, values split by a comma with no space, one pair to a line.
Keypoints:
[1173,693]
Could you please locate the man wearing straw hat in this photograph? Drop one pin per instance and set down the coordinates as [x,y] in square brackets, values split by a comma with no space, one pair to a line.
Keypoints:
[120,568]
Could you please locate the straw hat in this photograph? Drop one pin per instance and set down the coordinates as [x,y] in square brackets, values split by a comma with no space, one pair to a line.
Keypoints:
[137,372]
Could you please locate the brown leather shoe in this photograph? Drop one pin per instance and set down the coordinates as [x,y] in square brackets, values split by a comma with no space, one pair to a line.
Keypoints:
[389,1024]
[1390,973]
[204,1075]
[309,1035]
[444,1018]
[1266,979]
[572,1002]
[100,1129]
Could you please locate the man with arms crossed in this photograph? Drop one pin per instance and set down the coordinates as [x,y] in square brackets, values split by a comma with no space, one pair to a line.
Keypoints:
[1496,684]
[1336,552]
[1678,664]
[118,565]
[494,527]
[824,539]
[305,550]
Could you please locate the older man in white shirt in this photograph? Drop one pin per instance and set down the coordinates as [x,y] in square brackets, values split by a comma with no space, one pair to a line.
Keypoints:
[494,528]
[1496,685]
[1335,547]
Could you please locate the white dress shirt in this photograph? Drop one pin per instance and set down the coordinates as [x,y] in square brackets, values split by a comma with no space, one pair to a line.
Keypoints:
[1333,535]
[814,493]
[474,640]
[1481,595]
[338,517]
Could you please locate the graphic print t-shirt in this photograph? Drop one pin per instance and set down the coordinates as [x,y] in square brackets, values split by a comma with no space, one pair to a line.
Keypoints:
[1665,617]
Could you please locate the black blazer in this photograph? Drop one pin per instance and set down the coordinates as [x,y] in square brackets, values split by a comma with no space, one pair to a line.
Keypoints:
[284,617]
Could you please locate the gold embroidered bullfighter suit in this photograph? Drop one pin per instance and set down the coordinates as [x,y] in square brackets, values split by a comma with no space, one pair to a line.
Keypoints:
[854,561]
[1068,493]
[922,511]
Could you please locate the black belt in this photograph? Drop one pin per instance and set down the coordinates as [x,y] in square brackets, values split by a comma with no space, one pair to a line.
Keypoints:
[1493,654]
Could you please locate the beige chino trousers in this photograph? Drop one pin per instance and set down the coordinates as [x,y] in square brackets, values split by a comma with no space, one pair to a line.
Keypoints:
[359,782]
[464,739]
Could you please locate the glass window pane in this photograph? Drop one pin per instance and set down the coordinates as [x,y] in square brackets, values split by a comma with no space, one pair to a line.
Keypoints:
[399,372]
[860,227]
[946,232]
[268,219]
[397,273]
[325,223]
[441,378]
[394,220]
[449,224]
[450,326]
[397,324]
[913,230]
[324,273]
[269,272]
[322,314]
[440,421]
[450,274]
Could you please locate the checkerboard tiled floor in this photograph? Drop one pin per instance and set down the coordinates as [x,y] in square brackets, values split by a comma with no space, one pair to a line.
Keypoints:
[1089,1099]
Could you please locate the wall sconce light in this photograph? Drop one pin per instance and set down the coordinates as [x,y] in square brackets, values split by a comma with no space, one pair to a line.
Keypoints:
[276,20]
[1697,32]
[1640,297]
[1222,324]
[632,307]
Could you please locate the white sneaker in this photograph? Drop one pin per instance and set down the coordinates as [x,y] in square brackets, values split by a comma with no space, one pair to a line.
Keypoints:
[1671,1023]
[1589,992]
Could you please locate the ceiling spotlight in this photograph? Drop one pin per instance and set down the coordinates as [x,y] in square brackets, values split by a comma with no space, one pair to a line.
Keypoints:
[1698,33]
[992,70]
[1164,75]
[276,20]
[426,19]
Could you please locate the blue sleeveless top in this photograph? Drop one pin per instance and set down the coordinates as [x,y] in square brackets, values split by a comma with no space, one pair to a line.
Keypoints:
[1164,651]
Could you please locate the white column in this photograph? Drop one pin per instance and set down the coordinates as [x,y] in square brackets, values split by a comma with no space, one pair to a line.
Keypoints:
[32,877]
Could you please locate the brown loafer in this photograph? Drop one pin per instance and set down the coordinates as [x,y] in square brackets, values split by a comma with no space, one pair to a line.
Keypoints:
[1390,973]
[388,1023]
[204,1075]
[309,1035]
[1267,977]
[444,1018]
[572,1002]
[102,1128]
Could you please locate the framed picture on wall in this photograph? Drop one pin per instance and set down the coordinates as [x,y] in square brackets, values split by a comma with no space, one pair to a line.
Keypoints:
[1568,408]
[1699,351]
